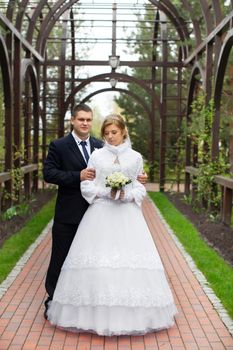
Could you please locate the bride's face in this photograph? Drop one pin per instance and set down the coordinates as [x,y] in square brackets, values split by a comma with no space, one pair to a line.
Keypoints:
[113,135]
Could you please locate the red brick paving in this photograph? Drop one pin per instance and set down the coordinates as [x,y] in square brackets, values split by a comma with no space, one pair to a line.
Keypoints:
[197,327]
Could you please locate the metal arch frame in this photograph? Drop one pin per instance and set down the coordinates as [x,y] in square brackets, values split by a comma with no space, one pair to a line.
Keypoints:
[61,85]
[120,77]
[195,22]
[28,67]
[152,137]
[167,6]
[48,25]
[73,48]
[28,64]
[178,22]
[196,70]
[35,15]
[8,101]
[220,73]
[135,96]
[47,19]
[7,76]
[174,16]
[217,11]
[207,16]
[10,9]
[20,14]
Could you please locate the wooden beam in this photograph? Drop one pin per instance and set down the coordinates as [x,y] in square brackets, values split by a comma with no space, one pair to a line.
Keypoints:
[217,31]
[106,63]
[224,181]
[26,169]
[191,170]
[8,25]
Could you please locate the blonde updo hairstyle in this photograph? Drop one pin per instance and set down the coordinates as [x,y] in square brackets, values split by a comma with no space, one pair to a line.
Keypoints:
[117,120]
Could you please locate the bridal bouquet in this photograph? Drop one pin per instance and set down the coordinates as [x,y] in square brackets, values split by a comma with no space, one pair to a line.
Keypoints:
[117,180]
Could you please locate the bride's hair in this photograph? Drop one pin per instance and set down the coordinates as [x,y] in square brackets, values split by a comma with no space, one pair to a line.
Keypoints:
[118,121]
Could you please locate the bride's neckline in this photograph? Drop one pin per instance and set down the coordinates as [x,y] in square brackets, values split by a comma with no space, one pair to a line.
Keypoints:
[117,149]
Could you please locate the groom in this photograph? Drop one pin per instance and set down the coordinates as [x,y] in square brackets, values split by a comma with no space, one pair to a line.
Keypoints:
[66,166]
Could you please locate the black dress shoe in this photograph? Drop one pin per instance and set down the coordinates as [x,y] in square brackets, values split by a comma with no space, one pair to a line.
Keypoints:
[46,304]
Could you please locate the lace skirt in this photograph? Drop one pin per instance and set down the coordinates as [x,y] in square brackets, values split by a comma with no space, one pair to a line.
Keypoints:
[113,281]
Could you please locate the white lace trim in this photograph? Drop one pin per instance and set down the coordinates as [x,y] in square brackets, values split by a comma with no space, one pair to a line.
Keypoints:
[112,296]
[113,260]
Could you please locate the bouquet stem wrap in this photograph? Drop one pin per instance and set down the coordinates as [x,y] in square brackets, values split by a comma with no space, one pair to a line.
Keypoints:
[117,181]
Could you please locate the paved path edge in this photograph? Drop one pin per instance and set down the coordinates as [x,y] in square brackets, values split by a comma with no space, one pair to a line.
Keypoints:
[226,319]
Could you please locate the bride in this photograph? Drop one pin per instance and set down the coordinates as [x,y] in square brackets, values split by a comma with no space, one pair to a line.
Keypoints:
[113,281]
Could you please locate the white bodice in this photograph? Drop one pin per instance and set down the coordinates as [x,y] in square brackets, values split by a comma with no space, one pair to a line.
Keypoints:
[110,159]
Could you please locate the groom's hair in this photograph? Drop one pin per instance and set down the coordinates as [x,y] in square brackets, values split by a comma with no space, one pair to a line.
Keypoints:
[81,107]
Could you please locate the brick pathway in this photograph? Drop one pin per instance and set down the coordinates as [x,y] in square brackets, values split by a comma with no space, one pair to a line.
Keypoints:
[198,325]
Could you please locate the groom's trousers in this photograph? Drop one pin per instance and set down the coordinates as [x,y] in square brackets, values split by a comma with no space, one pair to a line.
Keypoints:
[62,237]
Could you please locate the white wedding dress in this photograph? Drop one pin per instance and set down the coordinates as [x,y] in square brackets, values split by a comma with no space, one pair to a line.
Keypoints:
[112,281]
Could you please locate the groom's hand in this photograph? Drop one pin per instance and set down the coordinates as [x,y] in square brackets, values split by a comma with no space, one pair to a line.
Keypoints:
[142,178]
[87,174]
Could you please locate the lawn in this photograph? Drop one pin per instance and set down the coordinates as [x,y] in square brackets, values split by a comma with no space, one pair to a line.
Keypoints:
[15,246]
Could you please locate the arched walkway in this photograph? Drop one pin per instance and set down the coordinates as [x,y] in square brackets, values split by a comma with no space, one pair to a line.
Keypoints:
[198,325]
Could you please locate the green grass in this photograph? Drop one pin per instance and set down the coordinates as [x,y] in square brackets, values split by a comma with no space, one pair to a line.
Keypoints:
[14,247]
[218,273]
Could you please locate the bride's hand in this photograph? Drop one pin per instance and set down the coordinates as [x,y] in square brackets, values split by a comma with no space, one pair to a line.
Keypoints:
[113,193]
[142,178]
[122,195]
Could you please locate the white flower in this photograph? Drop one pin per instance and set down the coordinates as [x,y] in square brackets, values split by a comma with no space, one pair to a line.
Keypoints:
[117,180]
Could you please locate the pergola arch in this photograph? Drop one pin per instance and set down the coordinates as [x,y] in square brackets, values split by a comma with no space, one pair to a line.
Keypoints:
[34,18]
[196,70]
[119,77]
[207,15]
[28,70]
[220,73]
[57,11]
[28,67]
[20,14]
[176,40]
[48,24]
[8,101]
[6,73]
[130,93]
[195,22]
[170,10]
[217,11]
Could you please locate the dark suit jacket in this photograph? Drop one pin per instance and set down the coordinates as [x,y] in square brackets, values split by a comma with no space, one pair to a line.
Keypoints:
[62,167]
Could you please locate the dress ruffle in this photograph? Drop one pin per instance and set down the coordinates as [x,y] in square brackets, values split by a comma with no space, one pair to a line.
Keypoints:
[115,320]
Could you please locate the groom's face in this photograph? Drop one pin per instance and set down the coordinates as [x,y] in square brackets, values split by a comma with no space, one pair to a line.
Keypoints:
[82,123]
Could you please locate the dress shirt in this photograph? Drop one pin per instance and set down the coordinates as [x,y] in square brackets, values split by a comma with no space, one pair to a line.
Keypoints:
[78,140]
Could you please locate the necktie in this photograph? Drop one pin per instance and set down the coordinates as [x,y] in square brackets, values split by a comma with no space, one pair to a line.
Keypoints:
[86,155]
